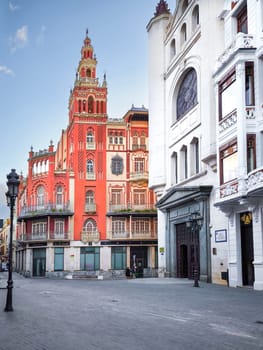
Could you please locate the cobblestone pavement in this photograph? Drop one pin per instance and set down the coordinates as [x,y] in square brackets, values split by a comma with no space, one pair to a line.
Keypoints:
[141,314]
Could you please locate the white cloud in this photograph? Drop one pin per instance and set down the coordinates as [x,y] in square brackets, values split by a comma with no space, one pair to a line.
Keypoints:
[6,70]
[13,7]
[20,39]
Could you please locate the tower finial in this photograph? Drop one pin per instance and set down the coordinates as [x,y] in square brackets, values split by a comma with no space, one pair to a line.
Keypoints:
[87,32]
[104,84]
[162,8]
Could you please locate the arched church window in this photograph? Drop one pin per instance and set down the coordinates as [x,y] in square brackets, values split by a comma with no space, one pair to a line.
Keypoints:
[183,34]
[184,6]
[195,18]
[172,49]
[187,94]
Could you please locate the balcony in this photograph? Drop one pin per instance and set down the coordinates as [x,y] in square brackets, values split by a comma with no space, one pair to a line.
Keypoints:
[50,209]
[139,176]
[140,235]
[90,176]
[90,236]
[230,121]
[143,235]
[90,145]
[90,208]
[43,236]
[255,182]
[130,209]
[118,235]
[136,147]
[242,41]
[228,190]
[59,236]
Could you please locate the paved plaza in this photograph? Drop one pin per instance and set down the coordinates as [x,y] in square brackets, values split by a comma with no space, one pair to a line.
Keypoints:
[141,314]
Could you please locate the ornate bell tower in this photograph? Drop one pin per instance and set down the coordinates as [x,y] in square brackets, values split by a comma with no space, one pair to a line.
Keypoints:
[86,139]
[88,98]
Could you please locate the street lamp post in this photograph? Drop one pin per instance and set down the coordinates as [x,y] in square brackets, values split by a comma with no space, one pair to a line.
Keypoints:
[11,194]
[195,223]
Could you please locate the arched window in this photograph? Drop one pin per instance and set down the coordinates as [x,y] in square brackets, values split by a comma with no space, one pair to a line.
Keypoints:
[84,106]
[184,6]
[59,195]
[135,141]
[187,94]
[183,163]
[174,168]
[79,105]
[194,156]
[90,205]
[90,105]
[97,107]
[90,226]
[89,198]
[172,49]
[195,18]
[90,137]
[183,34]
[88,73]
[142,141]
[90,166]
[40,196]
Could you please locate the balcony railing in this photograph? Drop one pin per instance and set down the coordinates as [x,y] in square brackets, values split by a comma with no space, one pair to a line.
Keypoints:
[43,236]
[228,189]
[131,207]
[143,234]
[132,235]
[135,147]
[255,180]
[59,235]
[136,176]
[90,145]
[228,121]
[118,235]
[242,41]
[90,236]
[90,208]
[45,209]
[90,176]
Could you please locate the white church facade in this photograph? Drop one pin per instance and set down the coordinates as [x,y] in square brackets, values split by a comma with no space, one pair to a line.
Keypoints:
[205,134]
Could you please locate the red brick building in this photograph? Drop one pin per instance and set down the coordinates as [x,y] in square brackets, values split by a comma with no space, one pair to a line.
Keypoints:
[85,207]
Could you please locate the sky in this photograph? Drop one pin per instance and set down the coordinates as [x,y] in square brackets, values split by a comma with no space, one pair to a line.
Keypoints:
[40,43]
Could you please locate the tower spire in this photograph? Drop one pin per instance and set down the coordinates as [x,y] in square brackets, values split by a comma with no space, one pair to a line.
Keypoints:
[162,8]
